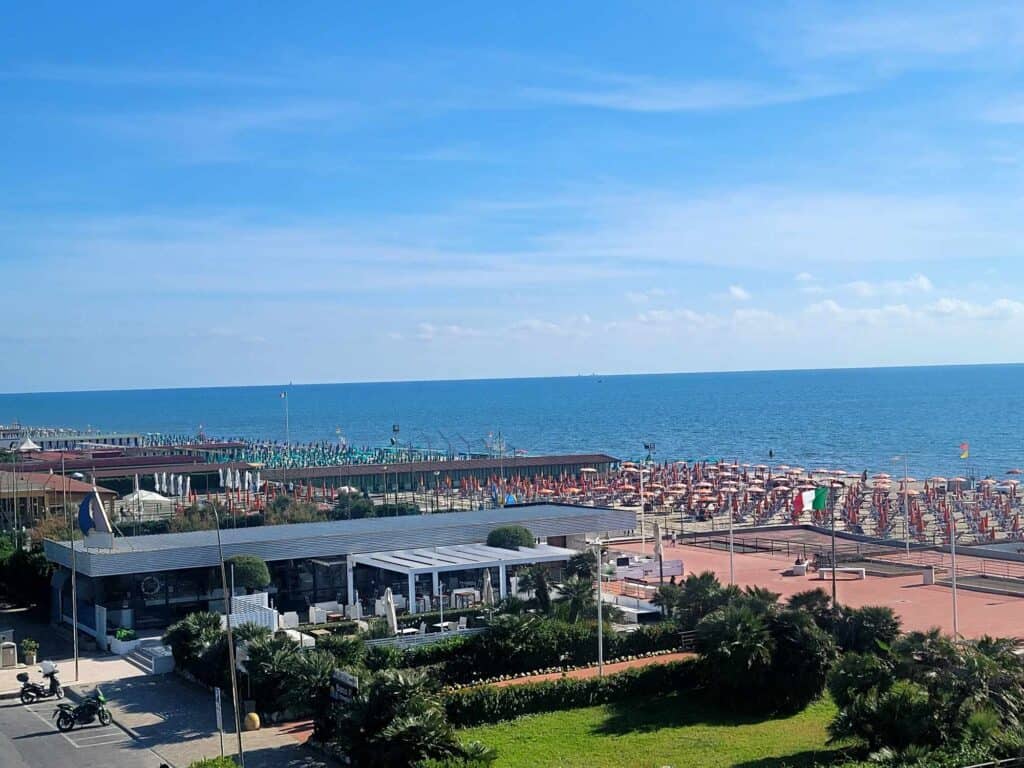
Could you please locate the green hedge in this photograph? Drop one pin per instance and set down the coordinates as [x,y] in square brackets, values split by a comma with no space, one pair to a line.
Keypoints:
[489,704]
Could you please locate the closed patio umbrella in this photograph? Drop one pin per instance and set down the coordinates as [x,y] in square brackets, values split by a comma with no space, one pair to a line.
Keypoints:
[389,611]
[487,593]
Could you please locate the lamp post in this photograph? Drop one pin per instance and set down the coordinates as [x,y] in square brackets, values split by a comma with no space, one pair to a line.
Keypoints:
[385,469]
[600,620]
[231,641]
[732,549]
[952,554]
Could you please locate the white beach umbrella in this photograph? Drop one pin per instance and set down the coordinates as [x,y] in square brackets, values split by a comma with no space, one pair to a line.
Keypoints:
[188,487]
[487,593]
[248,480]
[389,611]
[220,476]
[238,479]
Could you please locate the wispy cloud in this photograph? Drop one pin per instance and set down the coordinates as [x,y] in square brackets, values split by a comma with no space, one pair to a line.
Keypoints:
[139,76]
[739,293]
[636,94]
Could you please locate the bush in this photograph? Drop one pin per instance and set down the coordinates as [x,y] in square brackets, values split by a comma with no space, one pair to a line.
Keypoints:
[214,762]
[763,659]
[871,629]
[488,704]
[189,638]
[510,537]
[250,572]
[124,634]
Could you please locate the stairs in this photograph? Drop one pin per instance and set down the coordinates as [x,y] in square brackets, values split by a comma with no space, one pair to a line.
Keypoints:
[152,657]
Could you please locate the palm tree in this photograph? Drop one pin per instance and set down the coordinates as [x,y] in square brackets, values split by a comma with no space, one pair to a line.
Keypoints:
[761,599]
[817,603]
[702,593]
[583,565]
[534,579]
[736,650]
[310,687]
[668,598]
[396,720]
[577,595]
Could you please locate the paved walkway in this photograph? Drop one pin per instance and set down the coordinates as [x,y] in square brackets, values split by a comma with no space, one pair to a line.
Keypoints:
[177,720]
[93,667]
[919,607]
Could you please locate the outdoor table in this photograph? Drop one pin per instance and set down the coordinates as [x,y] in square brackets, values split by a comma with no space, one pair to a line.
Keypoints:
[335,616]
[409,631]
[320,632]
[443,625]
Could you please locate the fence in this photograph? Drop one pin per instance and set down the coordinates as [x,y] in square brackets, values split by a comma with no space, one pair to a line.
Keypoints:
[412,641]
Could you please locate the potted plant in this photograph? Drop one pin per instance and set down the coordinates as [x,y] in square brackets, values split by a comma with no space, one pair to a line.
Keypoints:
[29,648]
[123,641]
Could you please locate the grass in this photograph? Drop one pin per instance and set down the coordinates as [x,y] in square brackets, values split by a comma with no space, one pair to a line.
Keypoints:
[674,731]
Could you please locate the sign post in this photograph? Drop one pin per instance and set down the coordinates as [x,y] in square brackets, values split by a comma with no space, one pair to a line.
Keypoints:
[220,718]
[343,686]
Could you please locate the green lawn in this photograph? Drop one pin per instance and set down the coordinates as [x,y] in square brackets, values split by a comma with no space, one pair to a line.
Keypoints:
[677,731]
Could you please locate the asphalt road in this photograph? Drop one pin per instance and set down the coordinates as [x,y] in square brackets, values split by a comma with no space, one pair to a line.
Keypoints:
[29,739]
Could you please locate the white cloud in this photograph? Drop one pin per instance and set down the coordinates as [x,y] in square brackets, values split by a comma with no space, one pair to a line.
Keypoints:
[739,293]
[865,289]
[958,308]
[430,332]
[643,297]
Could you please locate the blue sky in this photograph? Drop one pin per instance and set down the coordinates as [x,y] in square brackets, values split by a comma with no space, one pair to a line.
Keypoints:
[331,193]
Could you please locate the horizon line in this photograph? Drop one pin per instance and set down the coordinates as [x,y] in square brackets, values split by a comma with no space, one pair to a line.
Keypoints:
[100,390]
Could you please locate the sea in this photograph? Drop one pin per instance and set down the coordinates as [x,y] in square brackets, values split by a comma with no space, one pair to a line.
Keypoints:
[852,419]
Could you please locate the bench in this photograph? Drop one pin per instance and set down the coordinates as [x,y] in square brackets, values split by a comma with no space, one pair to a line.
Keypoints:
[860,573]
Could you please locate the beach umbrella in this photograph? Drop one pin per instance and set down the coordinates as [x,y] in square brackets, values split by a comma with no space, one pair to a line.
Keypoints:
[188,486]
[1015,471]
[389,611]
[881,476]
[220,476]
[487,593]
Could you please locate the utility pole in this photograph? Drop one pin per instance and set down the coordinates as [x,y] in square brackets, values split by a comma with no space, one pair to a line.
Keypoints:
[732,549]
[835,605]
[231,643]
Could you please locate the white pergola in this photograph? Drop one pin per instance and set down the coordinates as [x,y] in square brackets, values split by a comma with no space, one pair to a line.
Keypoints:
[464,557]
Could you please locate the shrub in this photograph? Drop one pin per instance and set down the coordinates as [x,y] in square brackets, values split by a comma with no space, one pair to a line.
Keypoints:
[347,650]
[380,657]
[250,572]
[214,762]
[763,659]
[124,634]
[871,629]
[510,537]
[487,704]
[190,636]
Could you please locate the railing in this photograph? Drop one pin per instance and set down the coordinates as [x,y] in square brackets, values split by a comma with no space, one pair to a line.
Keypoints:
[1010,762]
[412,641]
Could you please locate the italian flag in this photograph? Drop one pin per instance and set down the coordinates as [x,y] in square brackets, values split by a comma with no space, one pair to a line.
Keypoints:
[816,499]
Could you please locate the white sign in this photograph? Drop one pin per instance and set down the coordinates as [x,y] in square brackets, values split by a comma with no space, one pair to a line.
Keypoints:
[344,686]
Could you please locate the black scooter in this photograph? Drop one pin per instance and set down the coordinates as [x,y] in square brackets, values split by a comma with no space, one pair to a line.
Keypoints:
[31,692]
[92,708]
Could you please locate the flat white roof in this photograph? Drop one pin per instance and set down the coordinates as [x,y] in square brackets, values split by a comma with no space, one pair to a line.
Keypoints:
[459,558]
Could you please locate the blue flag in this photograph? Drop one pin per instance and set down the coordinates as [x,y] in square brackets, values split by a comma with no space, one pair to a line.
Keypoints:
[85,521]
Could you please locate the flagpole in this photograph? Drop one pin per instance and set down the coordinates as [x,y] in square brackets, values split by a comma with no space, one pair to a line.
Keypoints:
[835,604]
[74,569]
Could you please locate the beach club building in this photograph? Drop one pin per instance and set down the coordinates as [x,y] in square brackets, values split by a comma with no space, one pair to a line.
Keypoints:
[148,582]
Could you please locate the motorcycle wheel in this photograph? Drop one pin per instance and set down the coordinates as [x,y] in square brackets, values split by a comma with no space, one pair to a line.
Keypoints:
[60,692]
[27,697]
[65,722]
[105,717]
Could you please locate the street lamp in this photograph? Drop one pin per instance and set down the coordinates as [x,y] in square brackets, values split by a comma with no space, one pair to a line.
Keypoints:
[600,599]
[437,480]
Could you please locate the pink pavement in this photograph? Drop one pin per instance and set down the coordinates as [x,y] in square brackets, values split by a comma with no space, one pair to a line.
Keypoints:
[920,607]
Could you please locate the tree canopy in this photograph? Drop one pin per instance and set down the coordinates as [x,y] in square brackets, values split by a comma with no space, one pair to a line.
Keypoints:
[510,537]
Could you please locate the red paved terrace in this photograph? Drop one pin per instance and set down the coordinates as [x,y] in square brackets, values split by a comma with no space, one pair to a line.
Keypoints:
[920,607]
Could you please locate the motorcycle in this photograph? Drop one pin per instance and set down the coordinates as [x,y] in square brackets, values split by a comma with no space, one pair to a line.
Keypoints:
[92,708]
[31,692]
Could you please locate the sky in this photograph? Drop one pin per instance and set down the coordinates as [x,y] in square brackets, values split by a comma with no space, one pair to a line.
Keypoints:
[218,194]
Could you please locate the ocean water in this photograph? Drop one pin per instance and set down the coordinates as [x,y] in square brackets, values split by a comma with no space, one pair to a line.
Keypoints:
[851,419]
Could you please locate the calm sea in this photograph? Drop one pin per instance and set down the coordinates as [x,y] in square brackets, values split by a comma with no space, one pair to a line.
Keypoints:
[853,419]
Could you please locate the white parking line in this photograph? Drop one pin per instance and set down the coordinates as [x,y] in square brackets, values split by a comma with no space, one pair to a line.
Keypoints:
[110,734]
[50,723]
